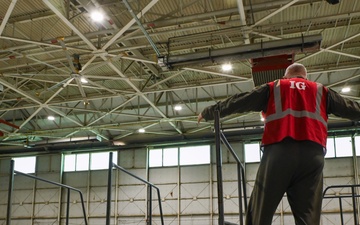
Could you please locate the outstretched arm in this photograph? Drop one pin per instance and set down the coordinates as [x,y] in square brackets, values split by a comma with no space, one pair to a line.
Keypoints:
[343,107]
[255,100]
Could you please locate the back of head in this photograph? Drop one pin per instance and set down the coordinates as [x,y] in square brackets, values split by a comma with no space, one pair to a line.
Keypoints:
[295,70]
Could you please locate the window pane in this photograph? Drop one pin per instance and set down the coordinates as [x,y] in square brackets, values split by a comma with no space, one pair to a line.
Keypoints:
[252,152]
[115,157]
[155,157]
[343,146]
[25,164]
[357,145]
[195,155]
[82,162]
[69,163]
[100,160]
[170,157]
[330,148]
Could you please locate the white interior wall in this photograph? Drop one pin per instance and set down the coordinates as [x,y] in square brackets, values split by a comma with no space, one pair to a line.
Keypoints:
[189,193]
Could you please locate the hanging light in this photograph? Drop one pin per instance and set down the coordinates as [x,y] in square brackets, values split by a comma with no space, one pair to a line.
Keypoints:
[178,107]
[97,16]
[51,118]
[226,67]
[83,80]
[345,89]
[141,130]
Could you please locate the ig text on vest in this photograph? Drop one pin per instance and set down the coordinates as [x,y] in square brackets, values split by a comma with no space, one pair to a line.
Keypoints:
[296,109]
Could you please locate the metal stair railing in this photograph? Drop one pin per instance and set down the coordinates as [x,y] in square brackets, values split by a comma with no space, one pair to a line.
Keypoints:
[149,193]
[220,137]
[353,195]
[69,188]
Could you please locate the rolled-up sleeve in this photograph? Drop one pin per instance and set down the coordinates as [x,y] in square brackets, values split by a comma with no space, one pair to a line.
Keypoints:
[255,100]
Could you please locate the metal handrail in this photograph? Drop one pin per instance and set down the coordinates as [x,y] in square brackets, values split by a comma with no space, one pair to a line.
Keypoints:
[112,165]
[340,197]
[220,137]
[11,186]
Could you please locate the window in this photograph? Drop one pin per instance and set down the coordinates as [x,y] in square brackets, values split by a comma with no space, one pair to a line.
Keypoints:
[82,162]
[86,161]
[170,156]
[25,164]
[343,147]
[193,155]
[100,160]
[252,152]
[357,145]
[330,148]
[155,158]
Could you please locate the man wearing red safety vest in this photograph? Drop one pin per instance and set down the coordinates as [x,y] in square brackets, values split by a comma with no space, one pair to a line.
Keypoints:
[294,142]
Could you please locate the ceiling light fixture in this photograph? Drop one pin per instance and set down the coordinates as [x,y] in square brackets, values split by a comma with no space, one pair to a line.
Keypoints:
[178,107]
[226,67]
[51,118]
[83,80]
[141,130]
[97,16]
[345,89]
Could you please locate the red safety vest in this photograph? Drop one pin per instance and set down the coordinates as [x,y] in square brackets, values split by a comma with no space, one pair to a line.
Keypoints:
[296,109]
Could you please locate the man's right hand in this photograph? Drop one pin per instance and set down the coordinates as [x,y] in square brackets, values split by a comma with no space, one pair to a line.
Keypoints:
[200,117]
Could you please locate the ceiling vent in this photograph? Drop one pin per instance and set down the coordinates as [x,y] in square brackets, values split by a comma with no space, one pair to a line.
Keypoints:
[266,69]
[249,51]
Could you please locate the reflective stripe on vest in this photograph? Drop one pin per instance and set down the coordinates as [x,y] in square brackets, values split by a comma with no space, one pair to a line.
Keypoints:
[280,114]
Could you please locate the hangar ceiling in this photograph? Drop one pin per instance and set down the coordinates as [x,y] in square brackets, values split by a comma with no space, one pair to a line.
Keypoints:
[129,63]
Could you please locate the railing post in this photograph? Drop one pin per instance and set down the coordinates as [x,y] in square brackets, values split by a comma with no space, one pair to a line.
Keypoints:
[67,207]
[149,205]
[10,191]
[108,201]
[240,175]
[160,207]
[341,212]
[354,204]
[219,168]
[240,193]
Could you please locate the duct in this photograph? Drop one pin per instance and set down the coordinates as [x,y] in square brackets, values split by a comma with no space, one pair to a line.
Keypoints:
[257,50]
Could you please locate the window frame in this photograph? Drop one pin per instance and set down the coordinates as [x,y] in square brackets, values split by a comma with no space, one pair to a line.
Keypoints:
[156,164]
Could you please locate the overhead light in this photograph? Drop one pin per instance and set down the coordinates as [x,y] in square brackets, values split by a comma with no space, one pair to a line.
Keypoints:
[345,89]
[118,143]
[226,67]
[51,118]
[141,130]
[97,16]
[178,107]
[83,80]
